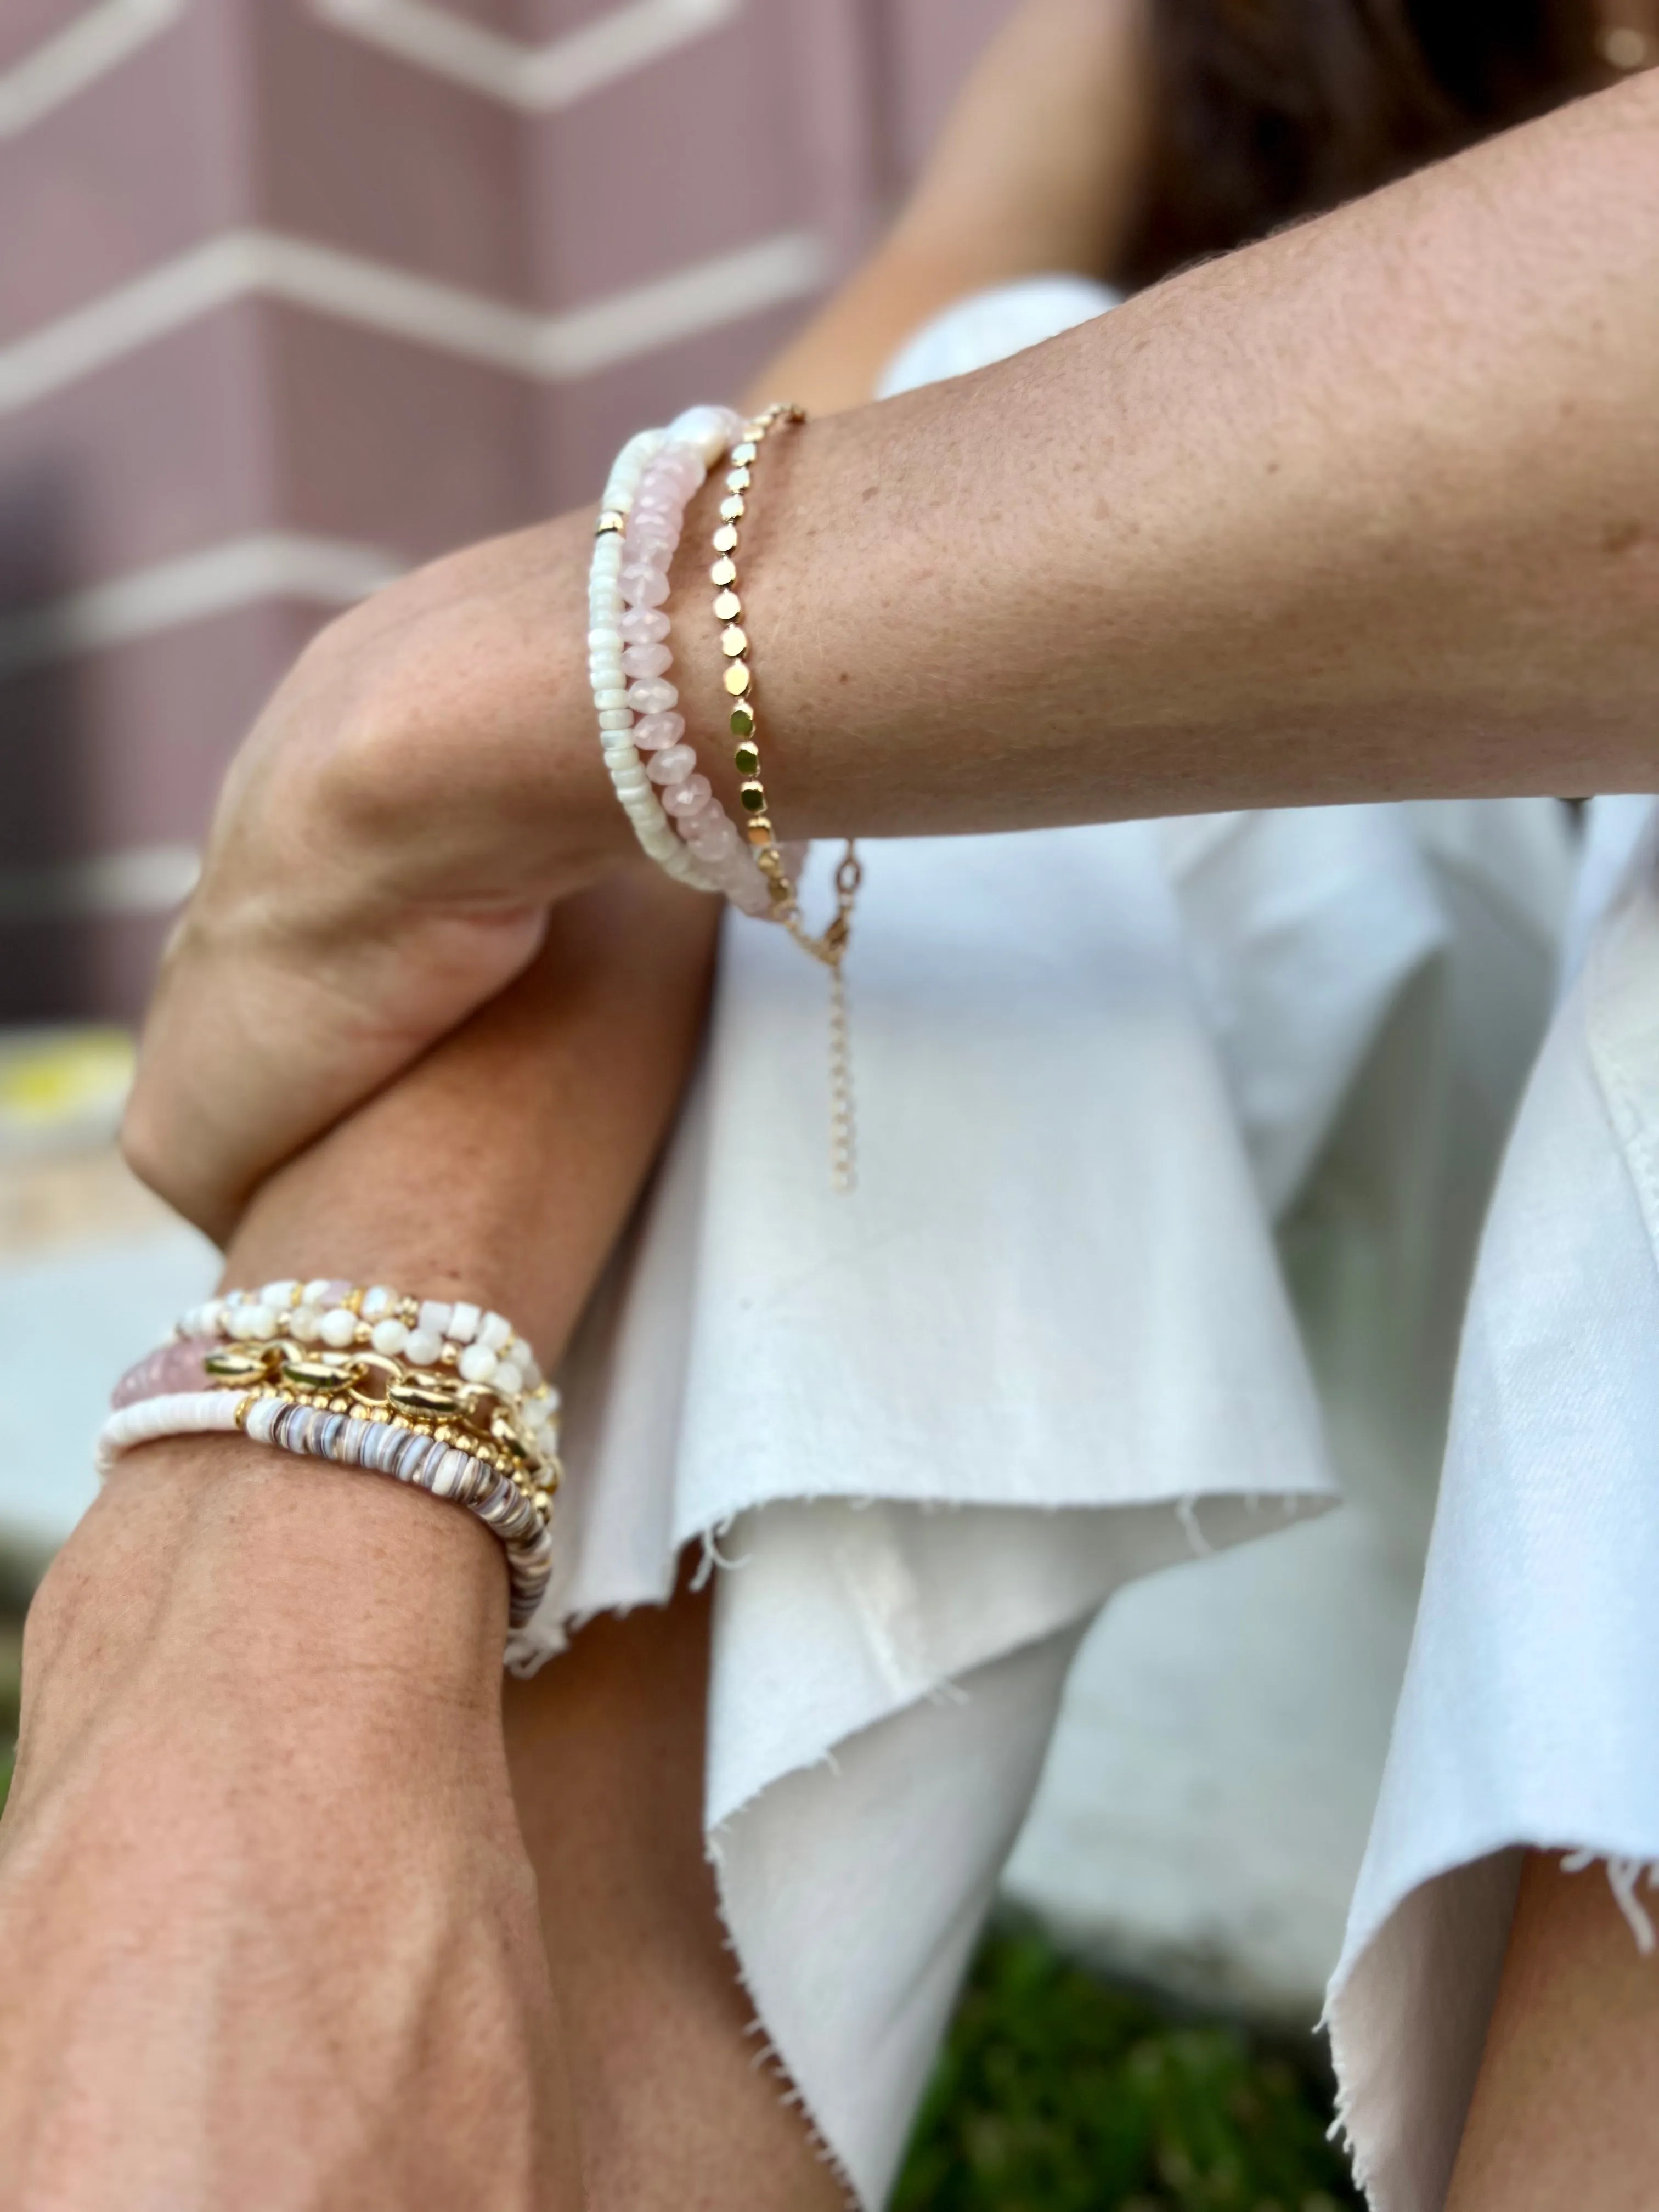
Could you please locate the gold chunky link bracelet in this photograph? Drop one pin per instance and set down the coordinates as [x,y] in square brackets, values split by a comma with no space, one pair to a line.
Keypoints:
[828,947]
[375,1388]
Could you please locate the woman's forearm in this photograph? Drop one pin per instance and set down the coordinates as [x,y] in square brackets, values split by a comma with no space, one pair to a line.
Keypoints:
[500,1170]
[1370,510]
[270,1930]
[503,1167]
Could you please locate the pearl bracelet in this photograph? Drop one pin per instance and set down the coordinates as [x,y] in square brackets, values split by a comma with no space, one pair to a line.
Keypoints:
[379,1445]
[457,1343]
[685,829]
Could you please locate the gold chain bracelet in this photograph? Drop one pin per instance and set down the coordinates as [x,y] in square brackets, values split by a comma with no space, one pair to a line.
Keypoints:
[828,947]
[376,1388]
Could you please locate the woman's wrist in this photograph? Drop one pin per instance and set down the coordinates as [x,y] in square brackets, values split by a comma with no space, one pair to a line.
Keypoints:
[332,1612]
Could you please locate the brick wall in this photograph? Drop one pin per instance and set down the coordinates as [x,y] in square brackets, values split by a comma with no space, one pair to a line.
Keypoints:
[297,293]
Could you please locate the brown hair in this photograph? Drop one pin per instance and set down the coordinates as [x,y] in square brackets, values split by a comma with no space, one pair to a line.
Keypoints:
[1272,109]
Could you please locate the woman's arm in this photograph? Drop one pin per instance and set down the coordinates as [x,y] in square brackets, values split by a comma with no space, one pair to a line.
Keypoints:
[1367,511]
[269,1929]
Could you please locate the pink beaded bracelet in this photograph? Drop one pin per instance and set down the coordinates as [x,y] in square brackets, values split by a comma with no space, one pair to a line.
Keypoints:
[675,813]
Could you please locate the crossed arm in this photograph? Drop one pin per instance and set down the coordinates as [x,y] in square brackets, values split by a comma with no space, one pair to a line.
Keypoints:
[267,1903]
[1367,511]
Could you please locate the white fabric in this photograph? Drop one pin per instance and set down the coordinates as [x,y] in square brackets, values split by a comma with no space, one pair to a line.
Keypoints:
[1043,1350]
[1614,826]
[1204,1810]
[990,325]
[1527,1716]
[1301,925]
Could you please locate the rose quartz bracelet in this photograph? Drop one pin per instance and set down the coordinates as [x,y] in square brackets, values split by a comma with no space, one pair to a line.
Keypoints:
[675,815]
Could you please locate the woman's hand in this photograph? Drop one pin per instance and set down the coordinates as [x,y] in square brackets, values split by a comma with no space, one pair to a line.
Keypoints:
[422,786]
[425,784]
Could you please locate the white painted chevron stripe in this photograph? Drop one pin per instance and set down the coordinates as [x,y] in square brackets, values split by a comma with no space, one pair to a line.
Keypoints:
[243,264]
[535,79]
[95,42]
[216,579]
[769,274]
[145,880]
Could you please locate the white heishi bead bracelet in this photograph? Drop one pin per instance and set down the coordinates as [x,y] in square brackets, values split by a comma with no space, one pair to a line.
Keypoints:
[685,829]
[180,1413]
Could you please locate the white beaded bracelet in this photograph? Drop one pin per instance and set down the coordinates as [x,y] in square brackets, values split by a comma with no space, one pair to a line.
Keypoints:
[466,1342]
[178,1413]
[685,830]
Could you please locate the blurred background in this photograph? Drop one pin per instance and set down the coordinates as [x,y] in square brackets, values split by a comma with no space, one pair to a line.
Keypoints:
[297,293]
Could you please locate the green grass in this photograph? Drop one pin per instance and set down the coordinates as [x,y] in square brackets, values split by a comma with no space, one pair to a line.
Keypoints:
[1058,2091]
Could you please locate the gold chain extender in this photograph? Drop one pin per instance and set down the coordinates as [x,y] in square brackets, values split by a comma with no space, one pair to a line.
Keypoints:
[830,947]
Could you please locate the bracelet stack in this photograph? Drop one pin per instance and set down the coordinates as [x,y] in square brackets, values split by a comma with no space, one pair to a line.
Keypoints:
[439,1394]
[675,814]
[687,831]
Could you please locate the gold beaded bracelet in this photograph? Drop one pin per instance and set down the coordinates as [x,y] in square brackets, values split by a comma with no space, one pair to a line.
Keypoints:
[830,947]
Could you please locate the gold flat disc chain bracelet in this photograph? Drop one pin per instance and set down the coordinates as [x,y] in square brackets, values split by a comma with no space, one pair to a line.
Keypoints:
[828,946]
